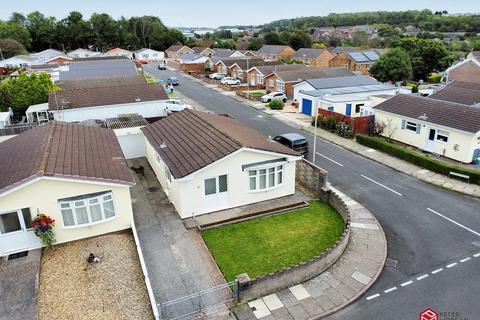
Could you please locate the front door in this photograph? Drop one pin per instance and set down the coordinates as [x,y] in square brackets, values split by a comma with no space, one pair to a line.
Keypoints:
[348,111]
[16,233]
[307,107]
[430,143]
[215,193]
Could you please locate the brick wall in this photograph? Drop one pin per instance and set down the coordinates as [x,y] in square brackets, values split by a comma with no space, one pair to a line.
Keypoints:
[310,178]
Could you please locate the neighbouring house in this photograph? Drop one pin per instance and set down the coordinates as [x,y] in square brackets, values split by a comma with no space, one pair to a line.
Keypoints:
[350,96]
[227,53]
[257,74]
[314,57]
[467,70]
[204,51]
[221,65]
[19,61]
[72,173]
[99,68]
[52,70]
[207,163]
[176,51]
[62,59]
[108,101]
[5,119]
[459,92]
[358,61]
[248,53]
[119,52]
[240,67]
[275,52]
[149,55]
[83,53]
[195,63]
[45,55]
[335,51]
[446,128]
[283,81]
[474,55]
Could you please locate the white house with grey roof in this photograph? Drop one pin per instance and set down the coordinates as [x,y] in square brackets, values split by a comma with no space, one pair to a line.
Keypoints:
[351,96]
[441,127]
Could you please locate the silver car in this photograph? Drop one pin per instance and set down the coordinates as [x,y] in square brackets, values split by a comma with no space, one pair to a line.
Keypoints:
[275,95]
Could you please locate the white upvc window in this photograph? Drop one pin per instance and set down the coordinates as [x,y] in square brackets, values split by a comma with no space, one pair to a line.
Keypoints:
[411,126]
[265,178]
[280,86]
[442,136]
[259,78]
[87,210]
[270,83]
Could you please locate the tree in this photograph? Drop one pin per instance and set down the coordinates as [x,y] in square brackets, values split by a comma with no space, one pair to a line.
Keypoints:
[21,92]
[105,31]
[359,38]
[15,31]
[255,44]
[426,56]
[393,66]
[10,48]
[42,30]
[319,45]
[272,38]
[300,39]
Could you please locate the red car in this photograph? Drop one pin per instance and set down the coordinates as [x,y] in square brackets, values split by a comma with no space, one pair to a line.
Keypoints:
[142,61]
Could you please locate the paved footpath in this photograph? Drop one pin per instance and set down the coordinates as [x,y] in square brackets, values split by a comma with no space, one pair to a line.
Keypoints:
[428,176]
[346,280]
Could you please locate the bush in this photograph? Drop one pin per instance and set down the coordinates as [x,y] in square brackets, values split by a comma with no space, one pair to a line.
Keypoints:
[276,105]
[417,157]
[434,78]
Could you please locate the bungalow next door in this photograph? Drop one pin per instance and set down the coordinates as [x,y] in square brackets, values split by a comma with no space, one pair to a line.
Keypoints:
[215,193]
[16,233]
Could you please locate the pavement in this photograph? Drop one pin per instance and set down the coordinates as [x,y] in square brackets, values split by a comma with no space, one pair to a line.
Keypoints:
[19,281]
[177,260]
[426,226]
[353,273]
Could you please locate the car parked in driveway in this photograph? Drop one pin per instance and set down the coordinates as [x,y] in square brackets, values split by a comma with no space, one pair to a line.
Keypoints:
[162,66]
[230,81]
[216,76]
[174,105]
[294,141]
[275,95]
[173,81]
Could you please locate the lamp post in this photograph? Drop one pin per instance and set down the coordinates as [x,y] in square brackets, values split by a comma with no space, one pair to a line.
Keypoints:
[248,82]
[316,125]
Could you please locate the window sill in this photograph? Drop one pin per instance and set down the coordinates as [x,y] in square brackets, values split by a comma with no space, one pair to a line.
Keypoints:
[86,225]
[264,190]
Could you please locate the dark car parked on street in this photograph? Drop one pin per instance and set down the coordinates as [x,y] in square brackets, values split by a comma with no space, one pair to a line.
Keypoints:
[294,141]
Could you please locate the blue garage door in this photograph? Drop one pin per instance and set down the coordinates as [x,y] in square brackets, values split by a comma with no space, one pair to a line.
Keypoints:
[307,106]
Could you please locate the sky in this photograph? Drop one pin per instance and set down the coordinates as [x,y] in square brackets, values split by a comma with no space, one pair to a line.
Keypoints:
[210,13]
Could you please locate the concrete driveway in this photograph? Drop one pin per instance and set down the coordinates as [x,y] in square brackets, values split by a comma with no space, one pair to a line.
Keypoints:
[177,260]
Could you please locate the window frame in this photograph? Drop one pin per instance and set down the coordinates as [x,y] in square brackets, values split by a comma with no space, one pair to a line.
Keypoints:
[280,86]
[87,204]
[442,133]
[407,123]
[21,220]
[217,185]
[267,174]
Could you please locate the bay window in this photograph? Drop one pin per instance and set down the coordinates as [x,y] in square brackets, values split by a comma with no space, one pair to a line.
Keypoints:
[265,178]
[87,209]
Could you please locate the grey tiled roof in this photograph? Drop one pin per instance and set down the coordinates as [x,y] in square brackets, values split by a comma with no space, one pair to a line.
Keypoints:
[312,72]
[460,92]
[65,150]
[448,114]
[104,68]
[308,53]
[348,81]
[190,140]
[272,49]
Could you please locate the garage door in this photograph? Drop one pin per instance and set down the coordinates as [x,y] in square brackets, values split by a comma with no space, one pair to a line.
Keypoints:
[133,145]
[307,106]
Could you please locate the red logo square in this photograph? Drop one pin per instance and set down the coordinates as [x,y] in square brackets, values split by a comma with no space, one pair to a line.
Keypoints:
[429,314]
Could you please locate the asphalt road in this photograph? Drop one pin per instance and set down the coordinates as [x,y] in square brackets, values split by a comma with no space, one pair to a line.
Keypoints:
[427,228]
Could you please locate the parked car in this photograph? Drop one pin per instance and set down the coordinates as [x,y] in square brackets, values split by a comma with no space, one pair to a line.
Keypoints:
[275,95]
[174,105]
[294,141]
[173,81]
[142,62]
[230,81]
[162,66]
[216,76]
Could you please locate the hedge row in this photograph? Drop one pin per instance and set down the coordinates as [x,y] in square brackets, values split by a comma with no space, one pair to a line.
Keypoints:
[417,157]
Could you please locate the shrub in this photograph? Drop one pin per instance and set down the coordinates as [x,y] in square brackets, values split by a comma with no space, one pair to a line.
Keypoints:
[276,105]
[343,130]
[417,157]
[434,78]
[43,228]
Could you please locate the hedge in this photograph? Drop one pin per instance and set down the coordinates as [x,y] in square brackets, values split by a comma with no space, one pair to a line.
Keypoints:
[417,157]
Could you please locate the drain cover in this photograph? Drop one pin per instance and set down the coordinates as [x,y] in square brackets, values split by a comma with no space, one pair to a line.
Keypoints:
[17,255]
[152,189]
[391,263]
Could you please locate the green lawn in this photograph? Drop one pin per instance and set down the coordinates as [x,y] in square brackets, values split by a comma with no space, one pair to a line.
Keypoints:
[268,244]
[256,93]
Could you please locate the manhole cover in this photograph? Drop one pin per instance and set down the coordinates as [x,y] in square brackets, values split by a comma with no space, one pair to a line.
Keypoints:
[391,263]
[152,189]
